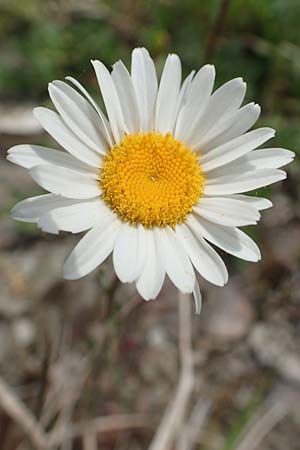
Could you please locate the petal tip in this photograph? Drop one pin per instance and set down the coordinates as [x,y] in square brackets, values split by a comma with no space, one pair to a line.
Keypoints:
[14,212]
[37,110]
[68,274]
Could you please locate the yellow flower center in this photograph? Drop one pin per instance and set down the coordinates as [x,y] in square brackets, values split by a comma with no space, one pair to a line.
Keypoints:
[151,179]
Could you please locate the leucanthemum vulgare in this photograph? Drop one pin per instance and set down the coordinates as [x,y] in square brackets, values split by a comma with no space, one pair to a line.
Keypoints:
[157,179]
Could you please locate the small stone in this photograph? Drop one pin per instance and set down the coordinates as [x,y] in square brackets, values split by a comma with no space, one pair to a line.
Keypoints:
[24,331]
[228,313]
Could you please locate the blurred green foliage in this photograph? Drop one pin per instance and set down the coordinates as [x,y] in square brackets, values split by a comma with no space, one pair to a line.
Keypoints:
[42,40]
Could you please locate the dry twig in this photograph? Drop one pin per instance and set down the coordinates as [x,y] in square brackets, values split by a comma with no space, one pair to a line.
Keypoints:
[191,431]
[266,418]
[19,412]
[175,412]
[99,425]
[89,441]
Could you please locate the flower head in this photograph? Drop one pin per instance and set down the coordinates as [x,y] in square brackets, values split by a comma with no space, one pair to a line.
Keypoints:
[156,179]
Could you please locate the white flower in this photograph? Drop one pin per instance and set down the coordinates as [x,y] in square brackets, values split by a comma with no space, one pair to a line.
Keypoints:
[157,180]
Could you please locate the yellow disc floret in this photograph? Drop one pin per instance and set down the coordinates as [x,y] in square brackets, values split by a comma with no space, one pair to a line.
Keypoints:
[151,179]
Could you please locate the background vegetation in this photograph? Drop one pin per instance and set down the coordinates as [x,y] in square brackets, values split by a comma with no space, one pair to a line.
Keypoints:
[258,40]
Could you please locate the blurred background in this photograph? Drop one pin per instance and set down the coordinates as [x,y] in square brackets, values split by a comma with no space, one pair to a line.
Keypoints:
[75,352]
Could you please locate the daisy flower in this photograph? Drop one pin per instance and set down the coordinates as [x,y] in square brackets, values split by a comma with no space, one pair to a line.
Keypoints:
[157,179]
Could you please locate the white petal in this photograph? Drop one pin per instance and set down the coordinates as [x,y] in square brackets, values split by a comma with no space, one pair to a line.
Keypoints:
[206,261]
[127,96]
[236,168]
[111,100]
[233,126]
[144,80]
[224,101]
[227,211]
[175,260]
[197,298]
[183,94]
[66,182]
[74,218]
[231,240]
[126,254]
[269,158]
[103,124]
[191,113]
[258,159]
[152,276]
[78,114]
[56,127]
[258,202]
[245,182]
[92,249]
[168,93]
[235,149]
[31,209]
[28,156]
[142,254]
